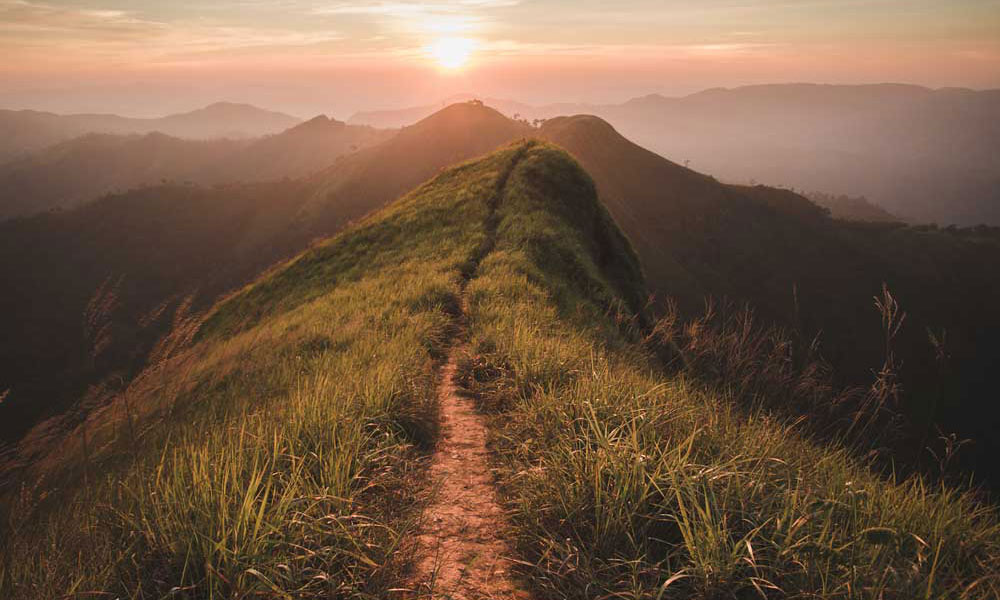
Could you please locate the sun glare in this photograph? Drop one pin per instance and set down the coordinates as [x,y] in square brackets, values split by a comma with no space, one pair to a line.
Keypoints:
[452,52]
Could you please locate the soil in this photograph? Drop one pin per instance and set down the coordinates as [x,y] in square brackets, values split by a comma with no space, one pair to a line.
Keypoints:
[462,551]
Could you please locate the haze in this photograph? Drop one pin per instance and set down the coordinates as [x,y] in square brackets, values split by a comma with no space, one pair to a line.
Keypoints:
[144,58]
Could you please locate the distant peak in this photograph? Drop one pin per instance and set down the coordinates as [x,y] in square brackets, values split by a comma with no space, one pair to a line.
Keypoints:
[230,105]
[233,108]
[472,110]
[318,123]
[580,122]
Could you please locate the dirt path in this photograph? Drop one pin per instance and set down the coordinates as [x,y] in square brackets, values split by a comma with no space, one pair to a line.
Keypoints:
[462,551]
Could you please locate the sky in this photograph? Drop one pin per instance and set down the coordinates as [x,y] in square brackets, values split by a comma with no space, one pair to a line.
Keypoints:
[305,57]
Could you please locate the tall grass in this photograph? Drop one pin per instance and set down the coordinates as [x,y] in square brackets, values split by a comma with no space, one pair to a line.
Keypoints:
[279,453]
[626,482]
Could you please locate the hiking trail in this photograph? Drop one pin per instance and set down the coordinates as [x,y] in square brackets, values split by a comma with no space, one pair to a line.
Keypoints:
[462,552]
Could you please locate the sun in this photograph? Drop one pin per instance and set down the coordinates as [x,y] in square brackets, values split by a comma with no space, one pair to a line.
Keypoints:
[452,53]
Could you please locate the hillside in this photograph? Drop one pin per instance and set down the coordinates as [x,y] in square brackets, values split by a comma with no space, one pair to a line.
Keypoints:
[794,266]
[281,447]
[150,245]
[26,131]
[927,155]
[87,167]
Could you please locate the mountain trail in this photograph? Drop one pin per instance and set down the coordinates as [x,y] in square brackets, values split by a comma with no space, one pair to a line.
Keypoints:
[462,551]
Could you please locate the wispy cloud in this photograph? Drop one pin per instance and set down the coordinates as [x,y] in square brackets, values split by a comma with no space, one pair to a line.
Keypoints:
[124,36]
[404,9]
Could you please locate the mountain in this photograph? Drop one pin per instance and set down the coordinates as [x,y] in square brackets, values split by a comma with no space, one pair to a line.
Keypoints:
[299,151]
[398,118]
[849,208]
[84,168]
[283,444]
[927,156]
[358,183]
[26,131]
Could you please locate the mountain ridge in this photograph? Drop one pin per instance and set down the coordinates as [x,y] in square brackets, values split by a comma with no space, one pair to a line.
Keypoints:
[281,446]
[25,131]
[925,155]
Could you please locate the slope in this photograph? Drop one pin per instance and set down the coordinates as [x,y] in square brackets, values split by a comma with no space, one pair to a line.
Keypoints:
[276,453]
[795,266]
[625,483]
[925,155]
[279,453]
[159,245]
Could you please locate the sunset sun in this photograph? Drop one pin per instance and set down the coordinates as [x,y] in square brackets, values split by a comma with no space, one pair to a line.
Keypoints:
[452,53]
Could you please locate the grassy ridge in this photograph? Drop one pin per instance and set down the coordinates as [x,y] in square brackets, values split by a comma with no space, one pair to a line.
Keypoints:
[625,483]
[276,456]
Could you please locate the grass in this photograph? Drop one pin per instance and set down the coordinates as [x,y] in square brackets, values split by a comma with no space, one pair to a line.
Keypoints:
[626,482]
[280,454]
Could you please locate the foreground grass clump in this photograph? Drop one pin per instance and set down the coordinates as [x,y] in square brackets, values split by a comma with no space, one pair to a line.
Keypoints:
[276,455]
[626,483]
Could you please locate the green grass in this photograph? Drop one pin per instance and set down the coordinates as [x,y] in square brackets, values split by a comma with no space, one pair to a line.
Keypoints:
[624,482]
[280,455]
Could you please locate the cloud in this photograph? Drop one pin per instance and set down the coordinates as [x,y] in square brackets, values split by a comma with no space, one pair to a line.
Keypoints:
[52,32]
[405,9]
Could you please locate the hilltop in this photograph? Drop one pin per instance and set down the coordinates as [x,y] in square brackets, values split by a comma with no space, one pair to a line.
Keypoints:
[924,155]
[278,445]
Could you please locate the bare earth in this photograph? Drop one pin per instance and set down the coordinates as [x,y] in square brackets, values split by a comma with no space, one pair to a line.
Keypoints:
[462,551]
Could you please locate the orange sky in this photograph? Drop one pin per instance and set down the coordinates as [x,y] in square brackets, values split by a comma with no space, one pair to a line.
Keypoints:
[305,57]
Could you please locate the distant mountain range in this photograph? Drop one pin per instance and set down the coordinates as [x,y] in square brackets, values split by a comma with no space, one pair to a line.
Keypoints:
[923,155]
[86,167]
[26,131]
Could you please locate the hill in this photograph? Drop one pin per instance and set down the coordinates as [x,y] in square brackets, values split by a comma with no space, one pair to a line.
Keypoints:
[151,245]
[73,172]
[26,131]
[816,276]
[280,448]
[849,208]
[927,156]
